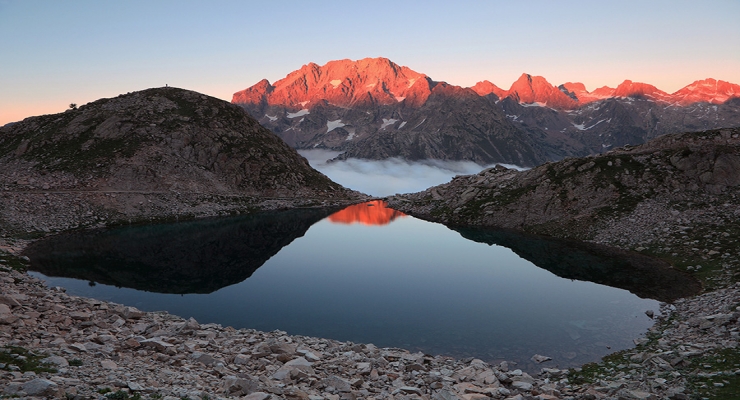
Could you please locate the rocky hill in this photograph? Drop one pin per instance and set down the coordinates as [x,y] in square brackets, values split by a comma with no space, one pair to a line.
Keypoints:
[376,109]
[157,153]
[677,197]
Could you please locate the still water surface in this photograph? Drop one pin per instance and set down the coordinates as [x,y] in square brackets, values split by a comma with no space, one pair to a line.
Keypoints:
[369,275]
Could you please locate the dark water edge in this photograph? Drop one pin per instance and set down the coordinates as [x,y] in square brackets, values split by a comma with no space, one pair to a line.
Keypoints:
[200,256]
[646,277]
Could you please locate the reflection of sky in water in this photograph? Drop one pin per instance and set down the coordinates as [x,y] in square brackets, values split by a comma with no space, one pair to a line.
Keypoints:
[417,285]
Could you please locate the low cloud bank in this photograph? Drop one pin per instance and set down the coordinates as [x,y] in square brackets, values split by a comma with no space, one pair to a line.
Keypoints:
[391,176]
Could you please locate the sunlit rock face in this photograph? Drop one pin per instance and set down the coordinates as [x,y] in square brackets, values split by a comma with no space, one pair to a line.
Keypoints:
[344,83]
[374,212]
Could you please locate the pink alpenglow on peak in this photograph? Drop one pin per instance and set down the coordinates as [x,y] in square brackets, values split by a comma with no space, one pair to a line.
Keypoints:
[379,81]
[708,90]
[344,83]
[530,89]
[484,88]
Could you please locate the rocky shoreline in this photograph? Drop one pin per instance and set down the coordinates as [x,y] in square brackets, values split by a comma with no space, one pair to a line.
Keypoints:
[97,347]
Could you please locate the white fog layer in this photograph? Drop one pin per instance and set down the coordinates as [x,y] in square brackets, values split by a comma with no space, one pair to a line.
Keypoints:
[391,176]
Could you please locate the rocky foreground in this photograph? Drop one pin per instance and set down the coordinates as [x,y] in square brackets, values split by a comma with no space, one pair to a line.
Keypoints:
[55,345]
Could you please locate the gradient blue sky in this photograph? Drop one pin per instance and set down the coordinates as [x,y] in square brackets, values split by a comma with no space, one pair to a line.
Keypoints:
[53,53]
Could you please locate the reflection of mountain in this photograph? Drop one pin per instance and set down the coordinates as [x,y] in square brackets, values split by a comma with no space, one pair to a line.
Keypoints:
[189,257]
[644,276]
[371,213]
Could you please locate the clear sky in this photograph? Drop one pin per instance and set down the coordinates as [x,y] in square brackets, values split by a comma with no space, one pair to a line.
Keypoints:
[53,53]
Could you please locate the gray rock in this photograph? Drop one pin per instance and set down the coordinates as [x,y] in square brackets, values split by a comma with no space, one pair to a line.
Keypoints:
[241,359]
[408,390]
[205,359]
[235,386]
[9,301]
[41,388]
[540,359]
[521,385]
[157,344]
[444,394]
[257,396]
[338,383]
[57,360]
[282,348]
[298,362]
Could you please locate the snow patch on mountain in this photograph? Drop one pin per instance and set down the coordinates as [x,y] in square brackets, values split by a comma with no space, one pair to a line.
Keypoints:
[298,113]
[388,122]
[331,125]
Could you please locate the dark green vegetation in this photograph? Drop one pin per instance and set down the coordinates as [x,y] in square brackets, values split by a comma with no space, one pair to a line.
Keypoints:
[15,358]
[716,376]
[713,375]
[11,261]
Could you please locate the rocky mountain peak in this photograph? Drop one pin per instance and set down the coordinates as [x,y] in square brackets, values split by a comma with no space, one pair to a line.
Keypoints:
[255,94]
[639,89]
[484,88]
[343,83]
[708,90]
[530,89]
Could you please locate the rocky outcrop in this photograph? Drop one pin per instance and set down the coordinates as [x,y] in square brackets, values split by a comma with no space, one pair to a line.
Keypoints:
[677,167]
[158,153]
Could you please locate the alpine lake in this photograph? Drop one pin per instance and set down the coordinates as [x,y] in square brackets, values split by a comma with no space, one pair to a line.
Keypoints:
[370,274]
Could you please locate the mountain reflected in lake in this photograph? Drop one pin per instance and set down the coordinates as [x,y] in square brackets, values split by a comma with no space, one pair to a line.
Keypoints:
[369,274]
[198,256]
[644,276]
[371,213]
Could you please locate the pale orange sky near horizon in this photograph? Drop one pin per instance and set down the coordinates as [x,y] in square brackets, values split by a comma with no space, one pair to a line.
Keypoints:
[59,53]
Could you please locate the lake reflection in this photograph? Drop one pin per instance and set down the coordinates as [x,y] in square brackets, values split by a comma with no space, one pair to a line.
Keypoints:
[402,282]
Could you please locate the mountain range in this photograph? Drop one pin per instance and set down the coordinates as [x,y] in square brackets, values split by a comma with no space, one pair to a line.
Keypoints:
[375,109]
